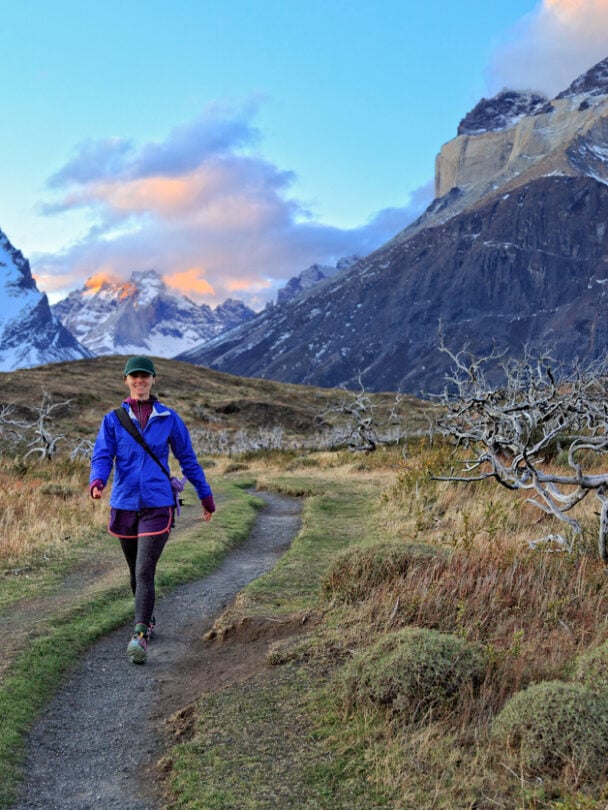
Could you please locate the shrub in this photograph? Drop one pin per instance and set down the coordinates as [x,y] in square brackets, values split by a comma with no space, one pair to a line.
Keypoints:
[64,491]
[356,571]
[236,467]
[554,729]
[303,461]
[414,673]
[591,668]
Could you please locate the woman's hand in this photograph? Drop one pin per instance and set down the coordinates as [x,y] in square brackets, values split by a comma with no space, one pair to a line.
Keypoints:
[207,515]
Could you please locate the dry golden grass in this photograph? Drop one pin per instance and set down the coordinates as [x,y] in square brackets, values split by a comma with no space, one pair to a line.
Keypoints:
[534,612]
[43,509]
[44,504]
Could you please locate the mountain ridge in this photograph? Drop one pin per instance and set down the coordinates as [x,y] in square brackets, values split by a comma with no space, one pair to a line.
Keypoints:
[472,263]
[141,315]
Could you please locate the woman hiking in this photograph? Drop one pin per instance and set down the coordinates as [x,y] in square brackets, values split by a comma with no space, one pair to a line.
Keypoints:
[144,497]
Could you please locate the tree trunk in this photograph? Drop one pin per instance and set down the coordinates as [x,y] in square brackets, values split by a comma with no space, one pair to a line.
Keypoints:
[603,537]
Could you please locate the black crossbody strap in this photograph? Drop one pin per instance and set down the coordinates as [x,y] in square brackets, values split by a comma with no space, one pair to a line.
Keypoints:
[126,421]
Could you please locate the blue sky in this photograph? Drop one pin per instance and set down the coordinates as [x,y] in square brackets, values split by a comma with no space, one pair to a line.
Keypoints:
[230,145]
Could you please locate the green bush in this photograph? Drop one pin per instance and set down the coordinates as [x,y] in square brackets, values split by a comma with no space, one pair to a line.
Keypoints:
[303,461]
[236,467]
[414,673]
[357,571]
[591,669]
[64,491]
[554,729]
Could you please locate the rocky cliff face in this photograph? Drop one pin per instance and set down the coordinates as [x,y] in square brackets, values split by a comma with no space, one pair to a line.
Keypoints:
[515,138]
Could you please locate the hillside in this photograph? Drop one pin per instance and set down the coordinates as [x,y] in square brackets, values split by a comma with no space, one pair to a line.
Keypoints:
[202,396]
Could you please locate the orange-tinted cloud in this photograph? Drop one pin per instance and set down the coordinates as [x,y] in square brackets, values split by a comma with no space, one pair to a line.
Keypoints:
[190,281]
[94,283]
[213,217]
[239,285]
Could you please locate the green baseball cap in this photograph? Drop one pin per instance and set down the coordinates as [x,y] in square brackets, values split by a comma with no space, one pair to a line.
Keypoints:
[140,364]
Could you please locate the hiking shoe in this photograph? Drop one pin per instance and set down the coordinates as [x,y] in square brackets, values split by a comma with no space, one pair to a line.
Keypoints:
[137,649]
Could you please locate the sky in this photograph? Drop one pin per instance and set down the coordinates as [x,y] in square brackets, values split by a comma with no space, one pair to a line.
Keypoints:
[231,145]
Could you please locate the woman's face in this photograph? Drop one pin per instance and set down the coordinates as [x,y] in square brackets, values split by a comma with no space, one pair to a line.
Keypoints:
[139,384]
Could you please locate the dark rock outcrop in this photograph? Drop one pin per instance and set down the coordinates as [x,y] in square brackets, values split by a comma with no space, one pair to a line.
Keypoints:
[501,111]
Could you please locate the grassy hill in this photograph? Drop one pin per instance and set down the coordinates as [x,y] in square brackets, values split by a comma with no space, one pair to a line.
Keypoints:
[200,395]
[419,653]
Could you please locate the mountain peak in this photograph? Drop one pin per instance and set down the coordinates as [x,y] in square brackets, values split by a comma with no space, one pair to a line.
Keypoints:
[141,315]
[312,276]
[592,83]
[500,112]
[29,333]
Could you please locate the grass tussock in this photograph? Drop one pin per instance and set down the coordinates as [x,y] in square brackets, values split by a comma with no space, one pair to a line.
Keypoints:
[591,668]
[354,573]
[555,729]
[414,674]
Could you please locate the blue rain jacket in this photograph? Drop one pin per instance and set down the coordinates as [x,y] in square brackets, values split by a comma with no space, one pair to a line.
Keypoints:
[139,482]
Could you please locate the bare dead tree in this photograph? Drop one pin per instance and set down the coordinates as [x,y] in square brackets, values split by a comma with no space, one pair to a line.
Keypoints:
[509,431]
[11,428]
[364,427]
[44,442]
[82,449]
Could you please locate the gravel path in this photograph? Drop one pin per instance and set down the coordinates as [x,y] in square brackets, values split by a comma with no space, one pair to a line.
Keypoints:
[102,732]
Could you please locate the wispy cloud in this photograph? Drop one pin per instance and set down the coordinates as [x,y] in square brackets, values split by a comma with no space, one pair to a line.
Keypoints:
[219,131]
[552,46]
[202,207]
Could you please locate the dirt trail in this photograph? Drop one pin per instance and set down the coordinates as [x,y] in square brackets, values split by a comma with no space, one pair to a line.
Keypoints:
[96,744]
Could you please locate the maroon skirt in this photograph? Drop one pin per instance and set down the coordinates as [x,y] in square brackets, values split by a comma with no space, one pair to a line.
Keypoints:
[127,523]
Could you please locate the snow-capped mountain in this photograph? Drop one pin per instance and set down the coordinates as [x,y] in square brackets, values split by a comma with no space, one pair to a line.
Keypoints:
[516,138]
[29,333]
[141,315]
[500,112]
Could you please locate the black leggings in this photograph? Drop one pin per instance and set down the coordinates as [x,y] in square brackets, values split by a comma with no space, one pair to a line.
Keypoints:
[142,554]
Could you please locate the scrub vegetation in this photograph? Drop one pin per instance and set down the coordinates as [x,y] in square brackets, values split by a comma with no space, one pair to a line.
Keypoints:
[429,656]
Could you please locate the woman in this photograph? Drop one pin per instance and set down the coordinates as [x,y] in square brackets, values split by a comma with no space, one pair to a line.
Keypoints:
[143,498]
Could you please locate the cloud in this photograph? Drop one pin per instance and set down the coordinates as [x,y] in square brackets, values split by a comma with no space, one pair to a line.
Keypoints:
[93,160]
[218,131]
[204,209]
[190,282]
[552,46]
